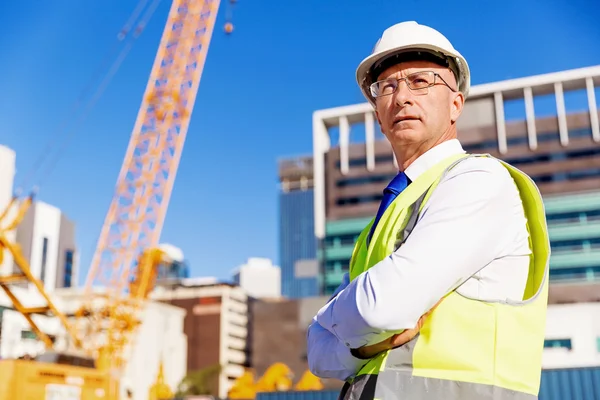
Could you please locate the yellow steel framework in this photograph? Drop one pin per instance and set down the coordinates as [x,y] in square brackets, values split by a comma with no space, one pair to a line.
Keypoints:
[8,282]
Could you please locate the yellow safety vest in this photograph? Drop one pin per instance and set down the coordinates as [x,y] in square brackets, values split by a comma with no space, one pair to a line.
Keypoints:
[467,349]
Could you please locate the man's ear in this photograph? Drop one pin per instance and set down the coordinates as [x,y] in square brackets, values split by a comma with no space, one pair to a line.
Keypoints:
[458,104]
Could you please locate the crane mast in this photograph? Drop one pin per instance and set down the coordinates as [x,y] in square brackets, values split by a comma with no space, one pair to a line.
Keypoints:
[137,211]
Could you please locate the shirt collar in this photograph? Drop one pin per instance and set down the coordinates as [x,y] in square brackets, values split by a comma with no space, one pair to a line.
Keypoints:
[433,156]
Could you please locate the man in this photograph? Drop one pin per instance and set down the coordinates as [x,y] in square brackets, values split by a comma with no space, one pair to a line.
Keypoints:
[447,292]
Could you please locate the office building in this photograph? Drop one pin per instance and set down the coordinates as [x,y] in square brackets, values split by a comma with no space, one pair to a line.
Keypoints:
[259,278]
[46,236]
[47,240]
[216,326]
[297,243]
[546,125]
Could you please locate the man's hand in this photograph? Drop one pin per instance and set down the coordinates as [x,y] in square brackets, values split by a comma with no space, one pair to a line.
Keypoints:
[394,341]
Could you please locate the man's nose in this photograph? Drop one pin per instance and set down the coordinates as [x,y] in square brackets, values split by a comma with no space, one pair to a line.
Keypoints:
[403,94]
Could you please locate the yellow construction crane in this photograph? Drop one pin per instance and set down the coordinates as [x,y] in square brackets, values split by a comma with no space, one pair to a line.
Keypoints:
[137,211]
[127,254]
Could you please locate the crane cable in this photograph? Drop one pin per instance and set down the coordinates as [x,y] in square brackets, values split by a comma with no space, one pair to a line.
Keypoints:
[228,27]
[123,35]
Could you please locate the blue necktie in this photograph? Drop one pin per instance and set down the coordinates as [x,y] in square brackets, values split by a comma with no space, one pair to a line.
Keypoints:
[395,187]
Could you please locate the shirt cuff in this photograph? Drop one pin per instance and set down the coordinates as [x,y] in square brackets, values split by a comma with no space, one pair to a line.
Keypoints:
[342,318]
[330,358]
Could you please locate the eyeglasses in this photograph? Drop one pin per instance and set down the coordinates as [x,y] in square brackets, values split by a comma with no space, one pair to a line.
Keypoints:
[418,82]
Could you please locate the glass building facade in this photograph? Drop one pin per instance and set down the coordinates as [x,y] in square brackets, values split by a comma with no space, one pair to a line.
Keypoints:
[297,242]
[574,227]
[338,245]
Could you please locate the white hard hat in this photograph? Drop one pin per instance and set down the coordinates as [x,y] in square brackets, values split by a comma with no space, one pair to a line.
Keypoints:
[412,37]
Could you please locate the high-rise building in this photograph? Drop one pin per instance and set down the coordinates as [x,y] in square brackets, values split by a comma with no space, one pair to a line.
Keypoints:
[546,125]
[297,243]
[259,278]
[47,240]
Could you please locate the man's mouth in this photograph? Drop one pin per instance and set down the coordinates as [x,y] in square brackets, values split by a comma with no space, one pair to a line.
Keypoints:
[405,118]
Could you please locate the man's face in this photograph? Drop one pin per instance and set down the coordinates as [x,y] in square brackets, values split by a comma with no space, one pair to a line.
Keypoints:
[407,117]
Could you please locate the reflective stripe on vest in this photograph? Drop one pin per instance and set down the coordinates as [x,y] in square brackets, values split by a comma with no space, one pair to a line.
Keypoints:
[467,349]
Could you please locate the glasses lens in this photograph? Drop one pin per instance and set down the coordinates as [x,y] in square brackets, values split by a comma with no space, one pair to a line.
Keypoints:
[384,87]
[420,80]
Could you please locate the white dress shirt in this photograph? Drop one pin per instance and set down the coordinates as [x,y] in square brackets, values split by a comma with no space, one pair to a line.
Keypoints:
[471,237]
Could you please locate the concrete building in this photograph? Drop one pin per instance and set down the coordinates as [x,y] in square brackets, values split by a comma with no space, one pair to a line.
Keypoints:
[216,325]
[7,177]
[159,338]
[47,240]
[297,242]
[259,278]
[546,125]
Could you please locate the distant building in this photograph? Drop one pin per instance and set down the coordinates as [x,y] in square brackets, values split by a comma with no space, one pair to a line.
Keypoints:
[278,334]
[297,242]
[46,236]
[47,240]
[175,270]
[216,326]
[259,278]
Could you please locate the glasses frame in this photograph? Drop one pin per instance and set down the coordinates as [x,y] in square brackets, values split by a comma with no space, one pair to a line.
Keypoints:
[419,91]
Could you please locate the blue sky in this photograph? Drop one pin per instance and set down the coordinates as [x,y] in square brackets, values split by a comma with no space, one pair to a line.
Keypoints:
[255,103]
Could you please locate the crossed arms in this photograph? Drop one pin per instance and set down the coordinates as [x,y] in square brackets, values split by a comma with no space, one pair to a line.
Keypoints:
[467,223]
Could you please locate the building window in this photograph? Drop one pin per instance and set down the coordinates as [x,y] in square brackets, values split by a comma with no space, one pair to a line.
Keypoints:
[172,271]
[586,273]
[68,279]
[330,288]
[44,258]
[28,335]
[346,239]
[558,344]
